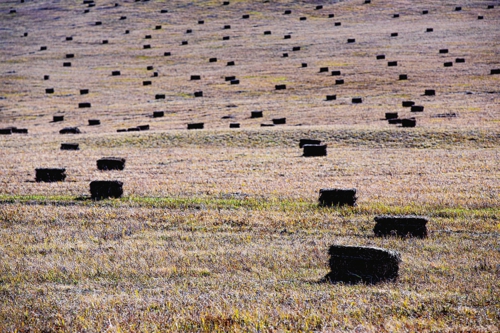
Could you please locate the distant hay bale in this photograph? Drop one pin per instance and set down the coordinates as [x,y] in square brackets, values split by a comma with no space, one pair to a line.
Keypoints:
[70,130]
[49,90]
[84,91]
[314,150]
[256,114]
[359,264]
[49,175]
[234,125]
[160,96]
[115,73]
[6,131]
[198,94]
[195,77]
[392,63]
[57,118]
[337,197]
[111,163]
[103,189]
[357,100]
[407,104]
[339,81]
[192,126]
[417,108]
[84,105]
[279,121]
[351,40]
[158,114]
[323,69]
[212,60]
[70,146]
[331,97]
[430,92]
[280,87]
[403,77]
[403,226]
[443,51]
[409,122]
[391,115]
[380,56]
[303,142]
[336,73]
[143,127]
[94,122]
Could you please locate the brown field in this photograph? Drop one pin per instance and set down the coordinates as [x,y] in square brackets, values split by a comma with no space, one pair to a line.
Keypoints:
[219,229]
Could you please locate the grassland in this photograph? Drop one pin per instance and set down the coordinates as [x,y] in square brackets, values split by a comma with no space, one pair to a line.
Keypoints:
[219,230]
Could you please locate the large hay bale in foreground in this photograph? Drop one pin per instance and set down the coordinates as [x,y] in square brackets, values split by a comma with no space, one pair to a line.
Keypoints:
[111,163]
[337,197]
[403,226]
[311,150]
[103,189]
[50,175]
[359,264]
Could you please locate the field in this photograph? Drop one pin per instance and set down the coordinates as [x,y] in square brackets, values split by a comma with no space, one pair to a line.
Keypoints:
[219,229]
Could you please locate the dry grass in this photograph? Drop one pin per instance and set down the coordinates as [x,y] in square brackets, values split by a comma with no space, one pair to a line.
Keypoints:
[218,229]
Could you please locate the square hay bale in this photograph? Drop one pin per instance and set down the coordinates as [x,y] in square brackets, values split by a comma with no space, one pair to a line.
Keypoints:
[111,163]
[337,197]
[314,150]
[50,175]
[359,264]
[402,226]
[103,189]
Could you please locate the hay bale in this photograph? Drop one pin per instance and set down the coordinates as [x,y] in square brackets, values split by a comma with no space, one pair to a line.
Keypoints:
[429,30]
[287,12]
[402,226]
[448,64]
[331,97]
[403,77]
[167,54]
[409,122]
[235,81]
[158,114]
[195,77]
[391,115]
[304,65]
[280,86]
[256,114]
[230,63]
[66,64]
[84,91]
[70,130]
[234,125]
[303,18]
[394,34]
[303,142]
[296,48]
[314,150]
[360,264]
[417,108]
[337,24]
[56,119]
[226,38]
[49,90]
[351,40]
[279,121]
[103,189]
[133,129]
[160,96]
[94,122]
[245,16]
[323,69]
[6,131]
[115,73]
[285,55]
[84,105]
[212,60]
[430,92]
[111,163]
[380,57]
[495,71]
[146,83]
[336,73]
[395,121]
[198,94]
[50,175]
[287,37]
[19,130]
[339,81]
[407,104]
[392,63]
[459,60]
[443,51]
[229,78]
[143,127]
[70,146]
[195,126]
[226,27]
[267,32]
[357,100]
[337,197]
[46,77]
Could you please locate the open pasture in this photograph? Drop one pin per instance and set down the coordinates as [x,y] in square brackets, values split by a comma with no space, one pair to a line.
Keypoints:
[219,229]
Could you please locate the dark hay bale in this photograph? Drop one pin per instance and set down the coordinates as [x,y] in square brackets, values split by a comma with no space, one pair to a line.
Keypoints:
[201,22]
[391,115]
[6,131]
[460,60]
[149,68]
[98,23]
[336,73]
[195,126]
[66,64]
[287,37]
[331,97]
[94,122]
[84,105]
[267,125]
[380,56]
[430,92]
[395,121]
[12,11]
[267,32]
[279,121]
[133,129]
[304,65]
[189,31]
[303,142]
[235,81]
[123,17]
[409,122]
[394,34]
[229,78]
[395,15]
[115,73]
[158,114]
[443,51]
[319,7]
[448,64]
[331,15]
[120,130]
[338,24]
[323,69]
[296,48]
[212,60]
[198,94]
[429,30]
[46,77]
[480,17]
[127,32]
[160,96]
[70,146]
[230,63]
[146,83]
[143,127]
[195,77]
[403,76]
[287,12]
[256,114]
[280,86]
[69,38]
[339,81]
[111,163]
[147,46]
[303,18]
[245,16]
[57,118]
[457,9]
[155,74]
[70,130]
[417,108]
[227,26]
[49,90]
[368,1]
[226,38]
[314,150]
[103,189]
[402,226]
[167,54]
[158,27]
[19,130]
[407,104]
[490,7]
[50,175]
[425,12]
[234,125]
[84,91]
[495,71]
[225,3]
[285,55]
[163,11]
[359,264]
[357,100]
[351,40]
[70,55]
[392,63]
[337,197]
